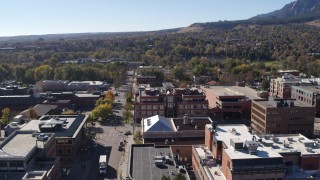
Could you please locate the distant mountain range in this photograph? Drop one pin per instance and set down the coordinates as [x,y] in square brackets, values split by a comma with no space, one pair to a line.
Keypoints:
[296,9]
[300,11]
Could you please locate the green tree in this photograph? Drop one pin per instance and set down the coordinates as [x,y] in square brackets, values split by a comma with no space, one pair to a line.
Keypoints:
[20,73]
[102,111]
[165,177]
[43,72]
[179,177]
[179,72]
[5,116]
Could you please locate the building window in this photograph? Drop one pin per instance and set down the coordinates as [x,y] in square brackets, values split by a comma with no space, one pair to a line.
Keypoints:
[3,166]
[60,151]
[69,151]
[228,164]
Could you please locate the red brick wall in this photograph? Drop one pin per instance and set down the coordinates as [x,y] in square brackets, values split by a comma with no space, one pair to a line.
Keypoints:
[310,162]
[208,138]
[185,153]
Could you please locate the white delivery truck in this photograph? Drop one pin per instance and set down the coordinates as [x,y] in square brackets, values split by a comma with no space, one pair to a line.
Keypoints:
[103,164]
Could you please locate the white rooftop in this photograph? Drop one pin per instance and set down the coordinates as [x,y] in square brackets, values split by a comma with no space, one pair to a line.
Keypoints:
[293,143]
[225,133]
[158,123]
[86,82]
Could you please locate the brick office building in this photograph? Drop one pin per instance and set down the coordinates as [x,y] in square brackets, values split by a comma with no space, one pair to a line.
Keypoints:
[231,102]
[280,116]
[170,102]
[69,134]
[235,154]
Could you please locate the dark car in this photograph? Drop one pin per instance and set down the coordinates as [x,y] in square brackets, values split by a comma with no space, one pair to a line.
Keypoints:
[127,133]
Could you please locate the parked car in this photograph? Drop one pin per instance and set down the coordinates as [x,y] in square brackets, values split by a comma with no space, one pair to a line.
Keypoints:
[127,133]
[121,146]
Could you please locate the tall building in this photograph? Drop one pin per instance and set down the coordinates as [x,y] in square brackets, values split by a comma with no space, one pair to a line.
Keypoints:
[280,116]
[309,95]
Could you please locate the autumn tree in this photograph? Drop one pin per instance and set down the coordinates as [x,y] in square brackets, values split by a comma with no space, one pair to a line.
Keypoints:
[5,116]
[102,111]
[32,113]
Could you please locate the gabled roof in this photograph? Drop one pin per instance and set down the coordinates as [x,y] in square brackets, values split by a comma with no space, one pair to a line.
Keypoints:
[158,123]
[40,110]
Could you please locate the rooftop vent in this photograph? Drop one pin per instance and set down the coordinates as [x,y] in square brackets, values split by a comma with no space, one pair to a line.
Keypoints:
[275,139]
[252,147]
[148,122]
[309,149]
[234,131]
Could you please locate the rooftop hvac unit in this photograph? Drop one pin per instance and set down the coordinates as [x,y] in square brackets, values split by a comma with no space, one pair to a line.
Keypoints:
[252,147]
[309,149]
[185,119]
[234,131]
[275,139]
[290,139]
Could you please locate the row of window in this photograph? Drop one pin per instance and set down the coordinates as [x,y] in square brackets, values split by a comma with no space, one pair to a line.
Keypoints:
[64,141]
[149,107]
[13,166]
[64,151]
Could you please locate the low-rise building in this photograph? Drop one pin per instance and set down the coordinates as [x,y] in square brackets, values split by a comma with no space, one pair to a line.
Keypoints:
[147,79]
[65,85]
[86,85]
[236,154]
[231,102]
[281,86]
[170,102]
[26,152]
[69,134]
[280,116]
[309,95]
[17,102]
[148,161]
[178,131]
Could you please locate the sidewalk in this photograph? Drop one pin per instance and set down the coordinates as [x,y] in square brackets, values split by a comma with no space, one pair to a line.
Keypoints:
[123,170]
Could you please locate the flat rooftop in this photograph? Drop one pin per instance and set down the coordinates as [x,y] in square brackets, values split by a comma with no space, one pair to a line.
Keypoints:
[86,83]
[225,133]
[213,171]
[288,143]
[70,128]
[269,103]
[314,89]
[19,145]
[143,162]
[232,91]
[192,122]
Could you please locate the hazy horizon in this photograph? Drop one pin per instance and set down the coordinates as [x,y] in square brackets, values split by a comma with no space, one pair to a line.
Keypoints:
[39,17]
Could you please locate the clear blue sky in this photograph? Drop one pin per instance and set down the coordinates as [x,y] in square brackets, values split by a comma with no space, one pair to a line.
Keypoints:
[27,17]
